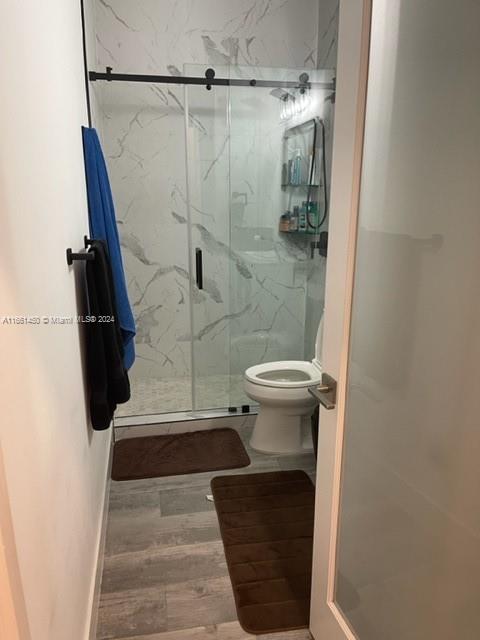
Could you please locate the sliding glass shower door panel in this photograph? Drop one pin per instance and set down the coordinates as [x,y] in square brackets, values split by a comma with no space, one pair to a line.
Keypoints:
[249,273]
[208,167]
[142,129]
[269,277]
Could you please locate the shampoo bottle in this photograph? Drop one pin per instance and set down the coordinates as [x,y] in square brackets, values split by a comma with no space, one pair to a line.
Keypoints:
[302,218]
[297,167]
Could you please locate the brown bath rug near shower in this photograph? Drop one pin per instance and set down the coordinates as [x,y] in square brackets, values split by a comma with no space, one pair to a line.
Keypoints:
[266,522]
[177,454]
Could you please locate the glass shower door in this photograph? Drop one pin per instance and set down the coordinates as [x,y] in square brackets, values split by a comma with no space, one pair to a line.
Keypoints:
[252,304]
[142,136]
[274,307]
[208,167]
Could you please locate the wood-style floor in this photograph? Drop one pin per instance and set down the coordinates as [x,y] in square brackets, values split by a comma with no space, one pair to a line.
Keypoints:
[165,575]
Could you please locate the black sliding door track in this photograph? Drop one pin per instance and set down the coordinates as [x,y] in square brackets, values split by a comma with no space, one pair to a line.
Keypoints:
[208,81]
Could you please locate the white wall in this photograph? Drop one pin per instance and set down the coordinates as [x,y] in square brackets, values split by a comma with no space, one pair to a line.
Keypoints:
[55,465]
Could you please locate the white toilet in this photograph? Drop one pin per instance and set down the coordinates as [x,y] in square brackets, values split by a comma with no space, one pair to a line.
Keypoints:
[281,389]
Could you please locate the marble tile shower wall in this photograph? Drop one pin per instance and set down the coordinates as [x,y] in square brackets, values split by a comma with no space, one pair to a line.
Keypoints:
[247,300]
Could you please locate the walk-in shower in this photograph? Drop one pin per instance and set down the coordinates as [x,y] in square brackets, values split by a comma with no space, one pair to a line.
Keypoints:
[221,196]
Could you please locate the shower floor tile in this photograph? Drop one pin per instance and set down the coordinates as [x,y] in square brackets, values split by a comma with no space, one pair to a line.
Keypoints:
[167,395]
[163,537]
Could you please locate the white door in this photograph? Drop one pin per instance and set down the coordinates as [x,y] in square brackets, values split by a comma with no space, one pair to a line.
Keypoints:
[397,531]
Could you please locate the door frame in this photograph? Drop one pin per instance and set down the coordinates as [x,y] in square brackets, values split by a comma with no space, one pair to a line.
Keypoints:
[326,620]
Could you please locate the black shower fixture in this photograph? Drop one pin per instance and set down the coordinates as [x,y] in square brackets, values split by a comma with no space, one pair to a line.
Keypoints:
[281,94]
[210,80]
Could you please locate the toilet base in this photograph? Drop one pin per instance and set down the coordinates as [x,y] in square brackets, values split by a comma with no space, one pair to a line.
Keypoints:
[279,434]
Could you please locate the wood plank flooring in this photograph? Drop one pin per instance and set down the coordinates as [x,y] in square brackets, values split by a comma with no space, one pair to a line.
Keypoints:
[165,576]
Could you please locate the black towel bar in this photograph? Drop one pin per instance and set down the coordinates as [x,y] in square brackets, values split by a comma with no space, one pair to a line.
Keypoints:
[78,256]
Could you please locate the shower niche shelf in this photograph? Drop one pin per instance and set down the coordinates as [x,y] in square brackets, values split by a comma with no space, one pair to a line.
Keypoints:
[299,169]
[303,184]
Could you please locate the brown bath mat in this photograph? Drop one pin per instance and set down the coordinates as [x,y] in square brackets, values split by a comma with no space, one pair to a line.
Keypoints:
[266,521]
[176,454]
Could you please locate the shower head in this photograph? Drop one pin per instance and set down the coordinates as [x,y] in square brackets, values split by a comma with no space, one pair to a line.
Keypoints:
[281,94]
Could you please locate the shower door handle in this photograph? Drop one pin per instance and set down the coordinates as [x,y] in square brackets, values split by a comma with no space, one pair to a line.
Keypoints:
[199,268]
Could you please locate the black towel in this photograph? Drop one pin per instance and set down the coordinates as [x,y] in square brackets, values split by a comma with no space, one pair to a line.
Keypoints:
[107,376]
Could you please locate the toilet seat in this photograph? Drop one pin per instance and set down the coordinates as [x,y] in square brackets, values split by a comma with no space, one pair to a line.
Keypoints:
[285,374]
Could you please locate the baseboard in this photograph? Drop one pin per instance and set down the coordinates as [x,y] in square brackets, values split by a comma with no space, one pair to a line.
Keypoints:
[101,549]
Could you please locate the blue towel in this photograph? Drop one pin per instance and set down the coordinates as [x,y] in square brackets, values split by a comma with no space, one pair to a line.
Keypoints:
[103,226]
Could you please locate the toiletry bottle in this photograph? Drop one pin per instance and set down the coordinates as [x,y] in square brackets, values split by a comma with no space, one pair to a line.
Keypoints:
[288,220]
[297,167]
[302,217]
[305,177]
[285,221]
[294,219]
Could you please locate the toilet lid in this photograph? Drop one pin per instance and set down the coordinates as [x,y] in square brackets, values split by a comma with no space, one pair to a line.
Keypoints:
[284,374]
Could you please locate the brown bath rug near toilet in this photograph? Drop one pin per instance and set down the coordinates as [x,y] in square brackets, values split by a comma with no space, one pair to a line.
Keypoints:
[177,454]
[266,522]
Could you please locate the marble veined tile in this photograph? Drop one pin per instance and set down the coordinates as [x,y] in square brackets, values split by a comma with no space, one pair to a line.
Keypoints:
[165,36]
